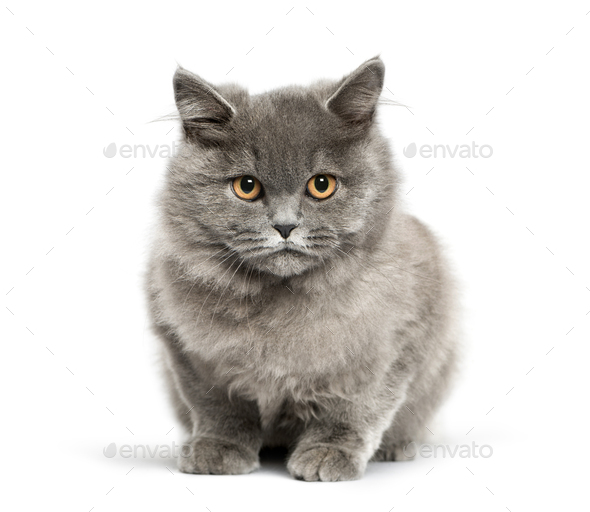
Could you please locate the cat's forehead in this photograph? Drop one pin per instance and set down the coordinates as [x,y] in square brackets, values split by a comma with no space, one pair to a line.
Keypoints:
[291,114]
[296,101]
[287,131]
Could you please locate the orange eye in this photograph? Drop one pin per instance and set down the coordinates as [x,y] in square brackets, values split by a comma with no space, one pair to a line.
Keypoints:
[247,188]
[321,186]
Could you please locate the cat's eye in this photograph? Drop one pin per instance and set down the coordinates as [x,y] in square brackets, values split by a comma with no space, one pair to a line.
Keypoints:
[321,186]
[247,188]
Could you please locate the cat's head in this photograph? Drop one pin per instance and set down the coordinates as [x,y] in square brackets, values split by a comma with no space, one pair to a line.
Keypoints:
[285,181]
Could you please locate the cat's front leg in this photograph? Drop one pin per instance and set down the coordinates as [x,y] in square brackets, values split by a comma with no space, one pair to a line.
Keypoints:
[226,435]
[337,444]
[226,438]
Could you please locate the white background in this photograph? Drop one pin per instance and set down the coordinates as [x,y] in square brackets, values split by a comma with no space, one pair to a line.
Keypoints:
[79,365]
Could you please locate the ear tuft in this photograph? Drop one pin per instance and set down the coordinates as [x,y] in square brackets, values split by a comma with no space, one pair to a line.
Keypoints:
[356,95]
[205,113]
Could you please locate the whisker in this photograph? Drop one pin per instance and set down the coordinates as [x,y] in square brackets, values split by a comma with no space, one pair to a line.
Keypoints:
[221,296]
[358,259]
[192,269]
[213,287]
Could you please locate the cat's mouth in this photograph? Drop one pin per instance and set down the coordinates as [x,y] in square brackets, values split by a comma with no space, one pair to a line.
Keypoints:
[284,259]
[287,246]
[287,259]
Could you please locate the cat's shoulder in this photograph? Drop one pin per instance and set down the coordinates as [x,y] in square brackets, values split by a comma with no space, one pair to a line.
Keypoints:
[410,233]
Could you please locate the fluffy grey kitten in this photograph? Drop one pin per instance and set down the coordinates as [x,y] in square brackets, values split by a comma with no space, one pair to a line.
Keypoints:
[297,304]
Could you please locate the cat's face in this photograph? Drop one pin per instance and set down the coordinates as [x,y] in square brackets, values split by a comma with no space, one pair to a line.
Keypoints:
[284,181]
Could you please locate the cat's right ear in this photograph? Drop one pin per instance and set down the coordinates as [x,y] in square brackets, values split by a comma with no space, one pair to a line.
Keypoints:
[204,112]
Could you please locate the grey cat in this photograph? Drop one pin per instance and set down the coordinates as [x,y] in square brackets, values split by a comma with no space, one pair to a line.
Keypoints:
[297,304]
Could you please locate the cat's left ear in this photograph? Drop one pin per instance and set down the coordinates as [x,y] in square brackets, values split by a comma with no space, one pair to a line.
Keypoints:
[205,113]
[356,95]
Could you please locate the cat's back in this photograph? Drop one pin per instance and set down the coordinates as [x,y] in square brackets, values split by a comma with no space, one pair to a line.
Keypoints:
[411,247]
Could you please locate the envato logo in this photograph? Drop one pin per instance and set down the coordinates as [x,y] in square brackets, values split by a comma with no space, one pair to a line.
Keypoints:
[143,150]
[463,451]
[128,451]
[442,151]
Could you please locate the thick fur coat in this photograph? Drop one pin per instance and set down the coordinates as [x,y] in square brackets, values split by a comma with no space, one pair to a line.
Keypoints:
[337,341]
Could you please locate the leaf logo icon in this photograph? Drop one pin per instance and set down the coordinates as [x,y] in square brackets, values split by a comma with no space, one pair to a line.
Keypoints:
[110,451]
[410,151]
[110,151]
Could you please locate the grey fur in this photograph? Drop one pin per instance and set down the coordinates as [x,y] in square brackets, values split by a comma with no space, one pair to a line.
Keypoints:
[337,342]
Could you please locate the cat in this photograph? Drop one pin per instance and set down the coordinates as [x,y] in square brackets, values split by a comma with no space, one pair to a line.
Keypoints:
[297,304]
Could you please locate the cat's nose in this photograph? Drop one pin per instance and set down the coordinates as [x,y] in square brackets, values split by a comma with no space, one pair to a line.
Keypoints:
[285,230]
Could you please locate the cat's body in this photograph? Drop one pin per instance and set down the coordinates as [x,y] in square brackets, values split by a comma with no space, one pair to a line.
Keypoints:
[335,340]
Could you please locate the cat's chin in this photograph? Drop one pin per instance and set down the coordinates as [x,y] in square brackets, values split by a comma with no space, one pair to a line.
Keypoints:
[288,263]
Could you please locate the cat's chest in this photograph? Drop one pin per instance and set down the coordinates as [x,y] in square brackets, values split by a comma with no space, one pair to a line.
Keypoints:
[287,332]
[293,335]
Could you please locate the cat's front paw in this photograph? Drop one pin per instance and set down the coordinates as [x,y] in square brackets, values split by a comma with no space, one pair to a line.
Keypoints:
[326,463]
[207,456]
